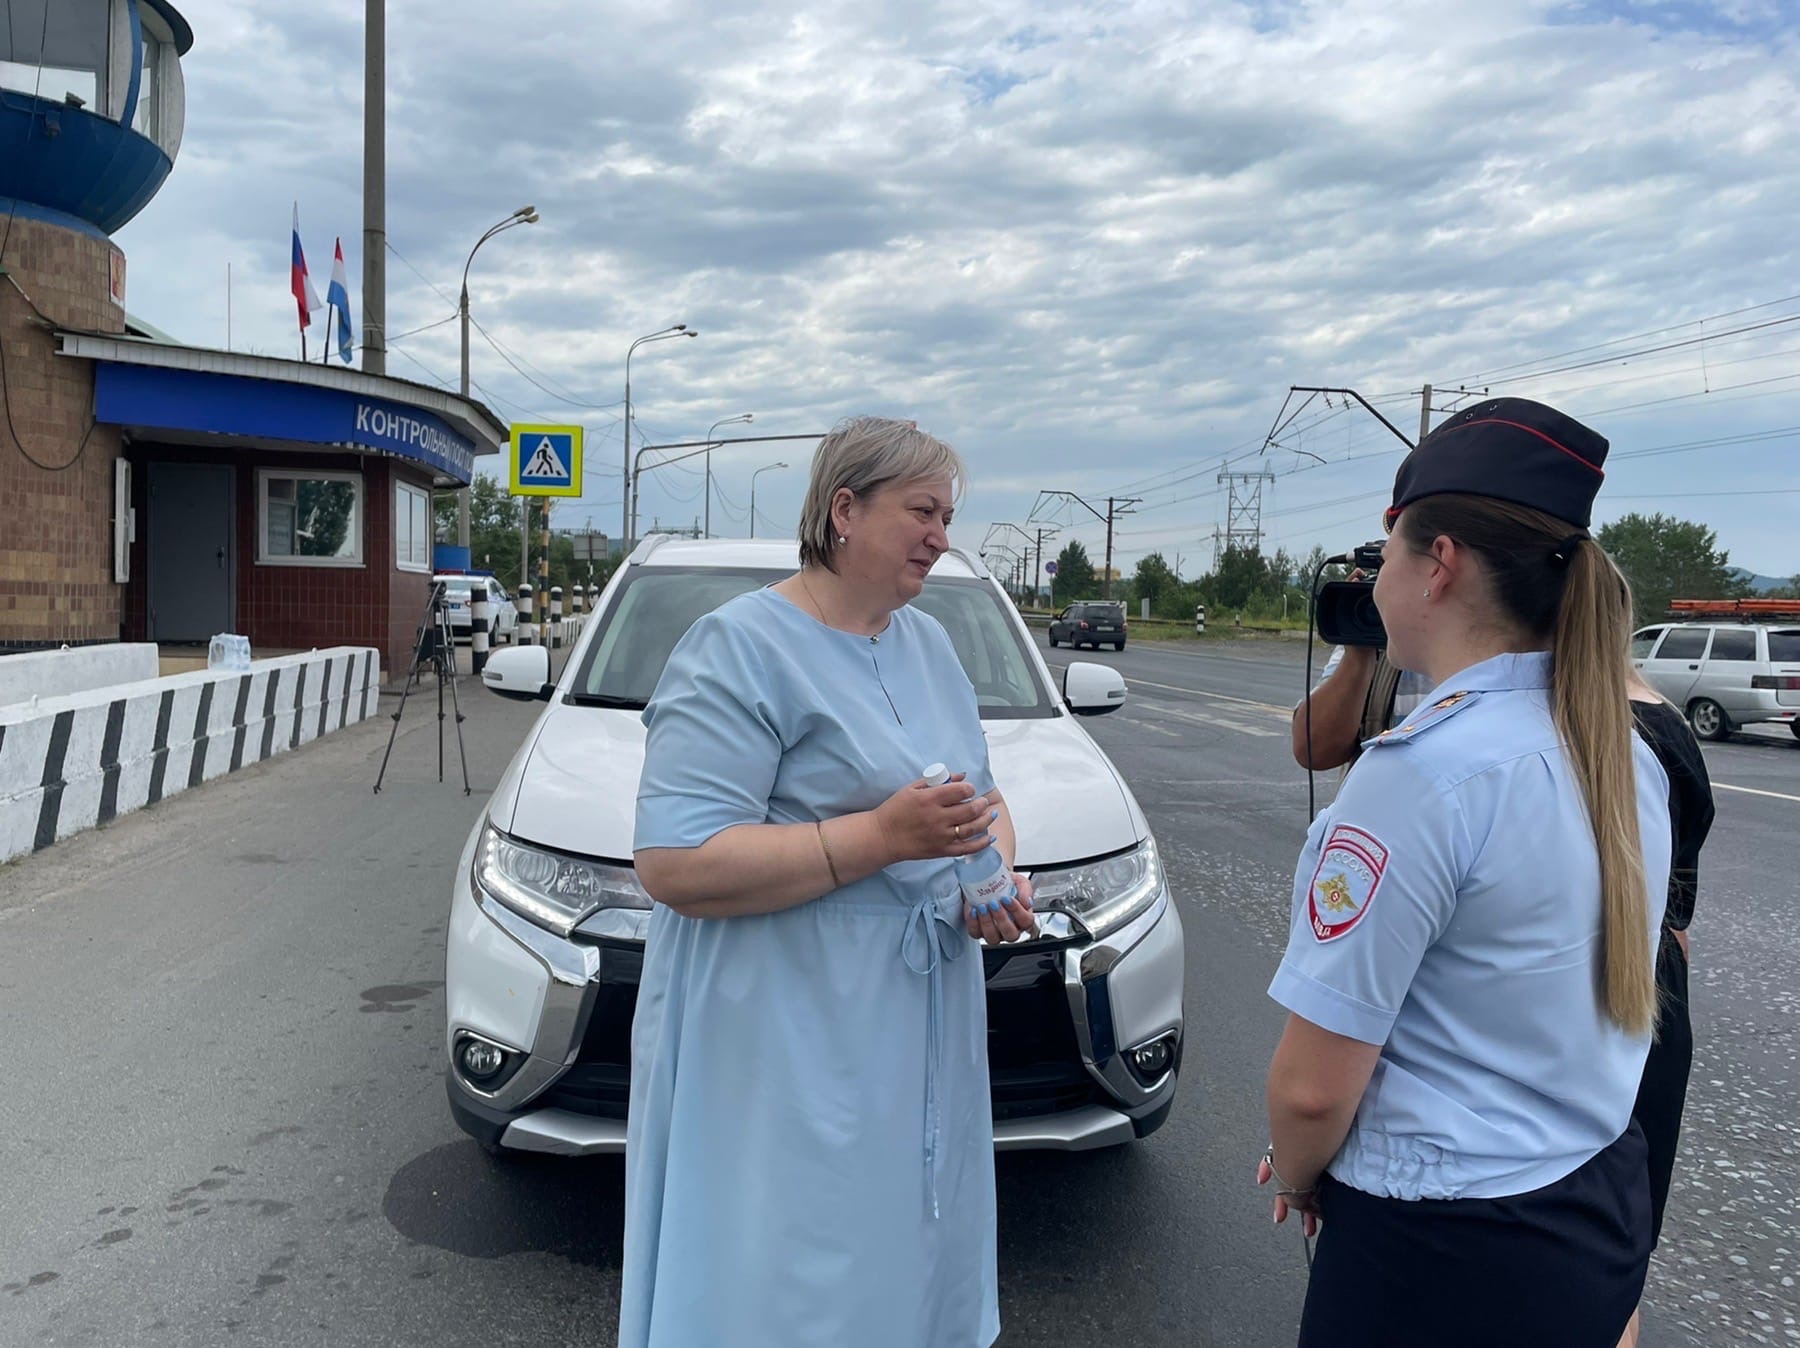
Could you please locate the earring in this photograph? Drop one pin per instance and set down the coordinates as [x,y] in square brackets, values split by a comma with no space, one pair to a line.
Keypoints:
[1428,594]
[842,540]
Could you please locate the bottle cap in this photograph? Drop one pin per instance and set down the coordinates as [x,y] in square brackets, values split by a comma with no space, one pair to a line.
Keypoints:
[936,774]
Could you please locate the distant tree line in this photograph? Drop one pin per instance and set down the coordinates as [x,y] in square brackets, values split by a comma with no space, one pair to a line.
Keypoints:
[1664,558]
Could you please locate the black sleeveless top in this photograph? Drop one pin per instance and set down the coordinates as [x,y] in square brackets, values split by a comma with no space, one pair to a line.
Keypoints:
[1690,800]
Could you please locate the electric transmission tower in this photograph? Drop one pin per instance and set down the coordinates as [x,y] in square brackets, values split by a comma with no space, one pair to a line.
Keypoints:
[1243,511]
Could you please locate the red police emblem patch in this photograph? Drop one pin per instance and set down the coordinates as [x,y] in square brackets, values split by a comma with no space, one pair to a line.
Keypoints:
[1349,872]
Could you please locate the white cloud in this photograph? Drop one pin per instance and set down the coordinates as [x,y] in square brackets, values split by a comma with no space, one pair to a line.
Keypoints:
[1090,242]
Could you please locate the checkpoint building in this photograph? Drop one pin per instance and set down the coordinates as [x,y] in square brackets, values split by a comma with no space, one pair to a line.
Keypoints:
[155,491]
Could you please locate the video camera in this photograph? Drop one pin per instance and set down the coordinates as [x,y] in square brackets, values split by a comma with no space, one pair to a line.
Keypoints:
[1345,609]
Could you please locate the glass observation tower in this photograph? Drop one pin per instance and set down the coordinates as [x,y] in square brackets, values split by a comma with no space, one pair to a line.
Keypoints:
[91,107]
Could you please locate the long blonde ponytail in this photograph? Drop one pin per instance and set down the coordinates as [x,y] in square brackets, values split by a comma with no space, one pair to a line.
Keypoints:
[1582,609]
[1590,702]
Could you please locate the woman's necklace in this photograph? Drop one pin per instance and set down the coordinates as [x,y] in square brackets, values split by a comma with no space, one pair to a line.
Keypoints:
[820,610]
[813,599]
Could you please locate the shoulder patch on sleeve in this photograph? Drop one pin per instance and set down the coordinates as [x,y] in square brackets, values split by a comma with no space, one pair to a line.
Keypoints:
[1425,717]
[1344,884]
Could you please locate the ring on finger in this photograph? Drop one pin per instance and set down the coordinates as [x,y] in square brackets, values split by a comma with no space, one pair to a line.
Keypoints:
[957,830]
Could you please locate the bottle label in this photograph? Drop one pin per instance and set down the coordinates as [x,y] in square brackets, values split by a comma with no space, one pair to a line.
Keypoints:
[994,889]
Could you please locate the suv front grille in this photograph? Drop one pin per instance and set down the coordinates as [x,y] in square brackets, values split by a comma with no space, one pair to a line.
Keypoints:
[1034,1062]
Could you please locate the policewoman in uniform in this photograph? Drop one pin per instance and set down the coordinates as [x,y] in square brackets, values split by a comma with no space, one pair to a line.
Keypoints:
[1470,970]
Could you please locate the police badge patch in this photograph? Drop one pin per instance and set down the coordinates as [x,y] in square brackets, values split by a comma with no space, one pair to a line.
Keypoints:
[1349,872]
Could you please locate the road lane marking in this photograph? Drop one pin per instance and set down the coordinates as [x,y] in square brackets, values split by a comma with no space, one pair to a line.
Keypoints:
[1201,718]
[1285,713]
[1752,791]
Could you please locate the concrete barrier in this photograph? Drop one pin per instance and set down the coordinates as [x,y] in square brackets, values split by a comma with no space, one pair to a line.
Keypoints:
[75,669]
[69,763]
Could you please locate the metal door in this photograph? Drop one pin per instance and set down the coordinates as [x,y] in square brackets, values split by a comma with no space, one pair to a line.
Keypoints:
[1675,665]
[1725,673]
[192,561]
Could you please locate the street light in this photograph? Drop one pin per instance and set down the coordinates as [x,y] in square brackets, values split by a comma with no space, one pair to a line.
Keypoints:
[758,473]
[629,519]
[726,421]
[525,215]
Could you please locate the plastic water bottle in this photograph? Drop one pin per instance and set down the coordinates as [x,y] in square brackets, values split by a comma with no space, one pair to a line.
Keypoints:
[985,881]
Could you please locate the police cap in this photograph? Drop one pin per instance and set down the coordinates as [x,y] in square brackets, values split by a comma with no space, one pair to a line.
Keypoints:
[1511,449]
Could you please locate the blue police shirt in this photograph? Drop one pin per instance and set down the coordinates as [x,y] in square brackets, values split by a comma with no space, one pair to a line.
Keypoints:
[1447,908]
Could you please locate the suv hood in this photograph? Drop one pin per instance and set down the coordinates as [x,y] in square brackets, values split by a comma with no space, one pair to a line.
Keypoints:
[574,787]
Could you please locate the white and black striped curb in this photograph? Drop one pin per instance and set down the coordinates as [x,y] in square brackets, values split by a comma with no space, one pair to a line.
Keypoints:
[70,763]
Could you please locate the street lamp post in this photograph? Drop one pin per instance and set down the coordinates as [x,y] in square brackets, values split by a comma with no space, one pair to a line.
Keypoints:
[525,215]
[724,421]
[629,513]
[758,473]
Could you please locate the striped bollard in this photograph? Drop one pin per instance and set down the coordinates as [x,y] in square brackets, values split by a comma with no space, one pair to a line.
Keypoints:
[556,631]
[524,602]
[478,630]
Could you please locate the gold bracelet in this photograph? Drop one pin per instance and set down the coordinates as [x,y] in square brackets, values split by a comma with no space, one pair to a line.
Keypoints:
[825,847]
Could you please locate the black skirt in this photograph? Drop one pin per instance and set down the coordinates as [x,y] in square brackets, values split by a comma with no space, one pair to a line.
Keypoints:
[1559,1267]
[1663,1093]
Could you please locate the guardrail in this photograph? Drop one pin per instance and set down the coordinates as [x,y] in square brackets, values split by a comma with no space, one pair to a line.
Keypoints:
[70,763]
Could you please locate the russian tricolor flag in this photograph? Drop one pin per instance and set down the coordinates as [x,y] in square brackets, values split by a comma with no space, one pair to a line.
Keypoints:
[337,294]
[302,283]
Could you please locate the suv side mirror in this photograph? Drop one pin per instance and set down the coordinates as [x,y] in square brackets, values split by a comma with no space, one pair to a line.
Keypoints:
[1088,689]
[520,672]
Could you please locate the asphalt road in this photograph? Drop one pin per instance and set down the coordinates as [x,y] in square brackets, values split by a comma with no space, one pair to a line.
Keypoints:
[225,1120]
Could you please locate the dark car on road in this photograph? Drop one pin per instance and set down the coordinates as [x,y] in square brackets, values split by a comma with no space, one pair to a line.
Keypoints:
[1092,622]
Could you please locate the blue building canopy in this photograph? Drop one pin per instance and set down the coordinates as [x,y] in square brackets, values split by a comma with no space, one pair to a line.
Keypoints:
[150,387]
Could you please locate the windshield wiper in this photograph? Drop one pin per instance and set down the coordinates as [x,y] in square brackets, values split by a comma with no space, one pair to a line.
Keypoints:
[607,700]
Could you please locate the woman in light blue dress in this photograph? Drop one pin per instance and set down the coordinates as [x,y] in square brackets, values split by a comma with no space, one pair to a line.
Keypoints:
[810,1150]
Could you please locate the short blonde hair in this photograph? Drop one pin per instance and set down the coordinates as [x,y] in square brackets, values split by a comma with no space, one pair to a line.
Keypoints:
[865,454]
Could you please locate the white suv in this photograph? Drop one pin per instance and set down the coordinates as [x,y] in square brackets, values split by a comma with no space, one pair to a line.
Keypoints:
[1723,675]
[547,922]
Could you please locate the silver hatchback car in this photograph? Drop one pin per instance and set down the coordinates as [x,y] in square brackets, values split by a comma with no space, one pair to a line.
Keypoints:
[1723,675]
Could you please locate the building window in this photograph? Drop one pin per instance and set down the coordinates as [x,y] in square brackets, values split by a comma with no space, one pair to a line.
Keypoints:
[412,528]
[309,519]
[147,120]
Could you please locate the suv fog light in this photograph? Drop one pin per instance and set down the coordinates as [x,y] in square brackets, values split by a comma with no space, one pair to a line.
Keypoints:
[481,1061]
[1152,1060]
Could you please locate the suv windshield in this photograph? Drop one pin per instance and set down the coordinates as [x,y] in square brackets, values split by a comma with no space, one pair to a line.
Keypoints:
[655,606]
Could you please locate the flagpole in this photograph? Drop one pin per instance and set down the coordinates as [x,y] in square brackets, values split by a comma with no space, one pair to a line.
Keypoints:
[325,351]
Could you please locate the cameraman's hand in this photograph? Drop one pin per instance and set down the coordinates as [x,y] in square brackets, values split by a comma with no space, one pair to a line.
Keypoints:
[921,823]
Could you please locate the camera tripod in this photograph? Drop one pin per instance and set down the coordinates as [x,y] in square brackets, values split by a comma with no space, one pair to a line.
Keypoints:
[433,646]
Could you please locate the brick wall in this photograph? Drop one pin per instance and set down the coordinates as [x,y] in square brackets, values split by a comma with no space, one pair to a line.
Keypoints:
[298,607]
[56,513]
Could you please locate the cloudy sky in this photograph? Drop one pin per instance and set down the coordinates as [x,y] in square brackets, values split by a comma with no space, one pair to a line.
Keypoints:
[1091,242]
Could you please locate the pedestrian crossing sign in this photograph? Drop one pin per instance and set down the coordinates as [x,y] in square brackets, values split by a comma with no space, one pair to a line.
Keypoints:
[546,461]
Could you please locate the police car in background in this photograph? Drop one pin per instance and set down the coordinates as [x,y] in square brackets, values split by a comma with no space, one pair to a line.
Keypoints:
[547,924]
[459,598]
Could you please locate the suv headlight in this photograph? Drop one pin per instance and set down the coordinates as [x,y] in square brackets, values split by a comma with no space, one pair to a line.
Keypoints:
[552,889]
[1102,895]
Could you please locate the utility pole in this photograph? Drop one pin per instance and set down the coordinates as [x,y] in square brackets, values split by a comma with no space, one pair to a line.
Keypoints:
[1106,571]
[374,259]
[1425,414]
[1115,506]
